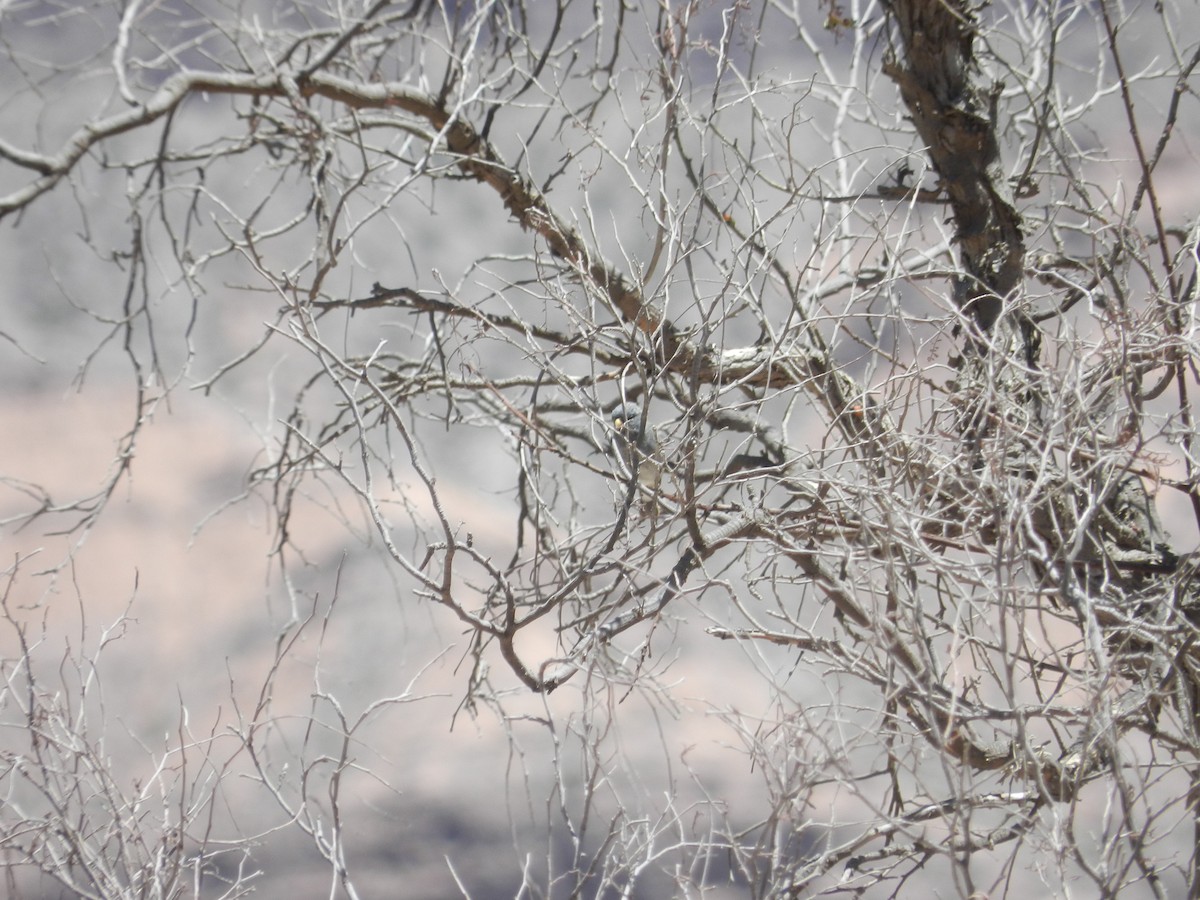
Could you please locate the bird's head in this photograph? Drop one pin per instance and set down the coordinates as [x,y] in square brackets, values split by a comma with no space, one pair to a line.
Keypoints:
[627,419]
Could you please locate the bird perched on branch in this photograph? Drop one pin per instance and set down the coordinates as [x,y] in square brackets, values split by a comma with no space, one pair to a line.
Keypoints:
[636,446]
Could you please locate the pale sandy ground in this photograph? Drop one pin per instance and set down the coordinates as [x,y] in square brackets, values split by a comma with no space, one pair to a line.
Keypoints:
[204,608]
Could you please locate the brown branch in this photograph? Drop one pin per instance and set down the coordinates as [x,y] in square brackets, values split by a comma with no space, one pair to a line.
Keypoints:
[762,367]
[958,127]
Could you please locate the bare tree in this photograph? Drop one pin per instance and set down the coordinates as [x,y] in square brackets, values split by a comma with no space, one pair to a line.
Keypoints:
[850,345]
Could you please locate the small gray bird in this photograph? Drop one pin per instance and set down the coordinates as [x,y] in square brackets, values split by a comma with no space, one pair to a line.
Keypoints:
[636,446]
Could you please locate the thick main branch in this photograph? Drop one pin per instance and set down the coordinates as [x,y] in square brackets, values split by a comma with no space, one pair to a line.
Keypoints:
[957,124]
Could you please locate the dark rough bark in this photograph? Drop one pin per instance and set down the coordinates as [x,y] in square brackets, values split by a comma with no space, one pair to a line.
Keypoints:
[957,123]
[1107,556]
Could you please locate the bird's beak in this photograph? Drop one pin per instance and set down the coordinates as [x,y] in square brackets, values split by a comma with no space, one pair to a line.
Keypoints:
[618,423]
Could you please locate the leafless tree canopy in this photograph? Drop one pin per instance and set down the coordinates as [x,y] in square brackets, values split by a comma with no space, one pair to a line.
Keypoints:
[904,294]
